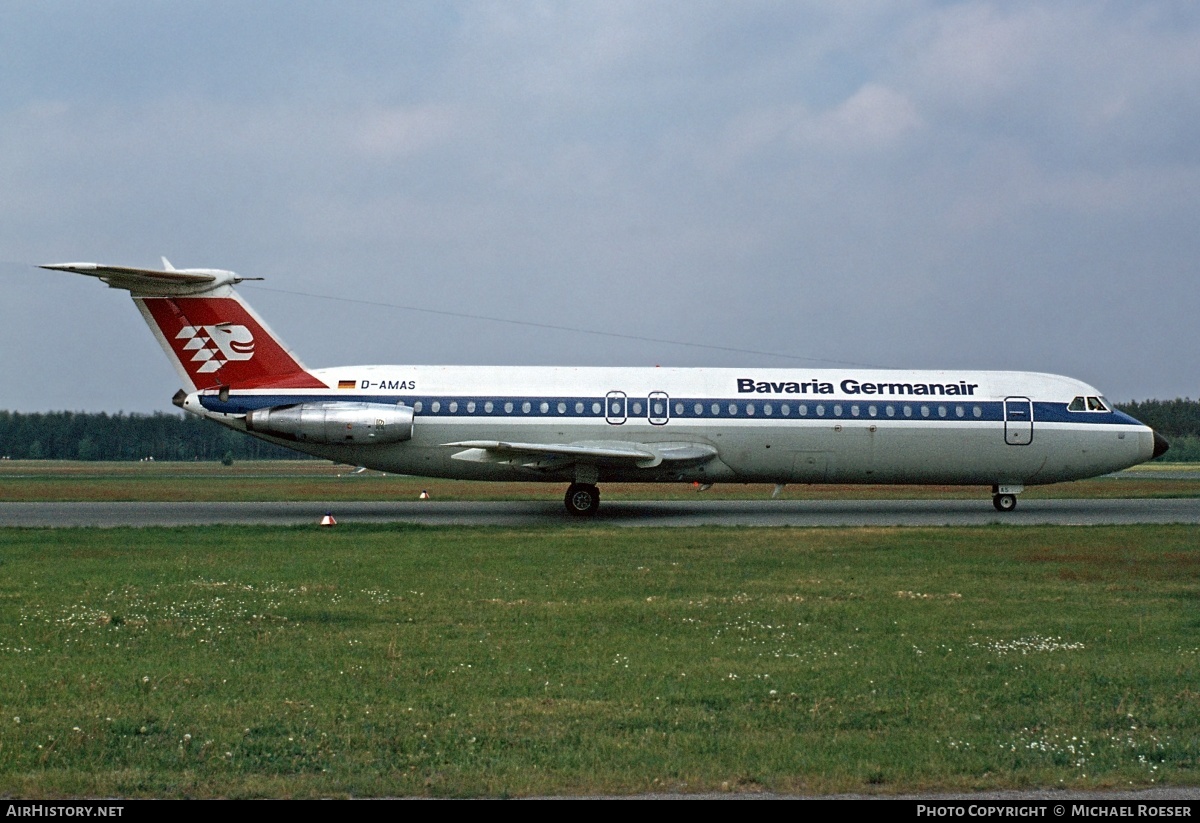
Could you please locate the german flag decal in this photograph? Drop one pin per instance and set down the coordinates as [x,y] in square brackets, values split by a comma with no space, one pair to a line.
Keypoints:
[346,384]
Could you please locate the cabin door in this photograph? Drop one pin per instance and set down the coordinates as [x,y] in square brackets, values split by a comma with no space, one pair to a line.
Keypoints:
[1018,421]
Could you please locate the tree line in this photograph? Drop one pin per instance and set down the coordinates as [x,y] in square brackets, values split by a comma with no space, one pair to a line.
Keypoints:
[102,436]
[1177,420]
[1170,418]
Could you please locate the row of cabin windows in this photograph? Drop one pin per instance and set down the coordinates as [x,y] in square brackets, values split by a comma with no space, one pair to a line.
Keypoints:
[658,409]
[834,410]
[508,407]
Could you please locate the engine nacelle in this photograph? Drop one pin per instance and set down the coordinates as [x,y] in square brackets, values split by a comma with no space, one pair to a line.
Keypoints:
[334,423]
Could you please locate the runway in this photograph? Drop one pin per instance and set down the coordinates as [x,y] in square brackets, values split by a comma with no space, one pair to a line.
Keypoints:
[811,513]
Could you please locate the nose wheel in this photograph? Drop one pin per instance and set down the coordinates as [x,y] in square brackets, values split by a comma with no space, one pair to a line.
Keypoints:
[582,499]
[1004,502]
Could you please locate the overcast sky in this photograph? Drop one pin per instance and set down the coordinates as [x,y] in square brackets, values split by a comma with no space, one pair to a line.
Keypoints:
[1007,185]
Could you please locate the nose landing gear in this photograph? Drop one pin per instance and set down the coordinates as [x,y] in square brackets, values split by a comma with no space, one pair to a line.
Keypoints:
[1004,502]
[1004,498]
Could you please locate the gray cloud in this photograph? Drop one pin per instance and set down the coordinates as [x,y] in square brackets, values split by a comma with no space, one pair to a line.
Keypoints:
[992,185]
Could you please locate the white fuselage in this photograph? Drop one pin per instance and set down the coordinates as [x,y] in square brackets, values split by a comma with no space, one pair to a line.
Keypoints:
[765,425]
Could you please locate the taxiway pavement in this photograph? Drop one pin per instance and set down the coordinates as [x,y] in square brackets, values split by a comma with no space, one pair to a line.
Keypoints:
[1089,512]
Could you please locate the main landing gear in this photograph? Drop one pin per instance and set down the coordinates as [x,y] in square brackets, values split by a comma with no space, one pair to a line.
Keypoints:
[582,499]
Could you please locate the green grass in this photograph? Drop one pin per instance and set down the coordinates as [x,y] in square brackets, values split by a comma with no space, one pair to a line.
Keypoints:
[398,660]
[52,480]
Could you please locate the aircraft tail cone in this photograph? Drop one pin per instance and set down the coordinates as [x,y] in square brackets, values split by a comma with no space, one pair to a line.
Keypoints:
[328,520]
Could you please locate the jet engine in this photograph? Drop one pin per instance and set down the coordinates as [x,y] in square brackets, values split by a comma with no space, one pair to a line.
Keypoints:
[334,423]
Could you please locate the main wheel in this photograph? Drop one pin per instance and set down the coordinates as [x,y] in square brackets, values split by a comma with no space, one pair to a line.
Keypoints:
[582,499]
[1004,502]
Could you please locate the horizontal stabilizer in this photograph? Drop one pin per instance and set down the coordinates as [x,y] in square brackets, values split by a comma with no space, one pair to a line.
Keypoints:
[153,281]
[556,455]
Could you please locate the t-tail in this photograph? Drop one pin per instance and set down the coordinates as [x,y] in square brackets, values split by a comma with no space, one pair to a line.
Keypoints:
[214,339]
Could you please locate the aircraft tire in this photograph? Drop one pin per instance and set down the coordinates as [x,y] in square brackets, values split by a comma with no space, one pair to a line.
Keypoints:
[582,499]
[1004,502]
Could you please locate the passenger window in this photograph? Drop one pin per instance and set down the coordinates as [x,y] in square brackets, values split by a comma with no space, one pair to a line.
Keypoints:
[525,407]
[891,410]
[679,409]
[733,408]
[785,409]
[908,411]
[698,409]
[854,410]
[750,409]
[977,411]
[454,407]
[924,411]
[508,407]
[871,410]
[820,410]
[837,409]
[562,408]
[435,407]
[418,406]
[489,407]
[941,411]
[544,407]
[471,407]
[959,411]
[596,407]
[716,409]
[637,407]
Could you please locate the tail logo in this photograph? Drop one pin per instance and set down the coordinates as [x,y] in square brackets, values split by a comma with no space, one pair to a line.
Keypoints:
[214,346]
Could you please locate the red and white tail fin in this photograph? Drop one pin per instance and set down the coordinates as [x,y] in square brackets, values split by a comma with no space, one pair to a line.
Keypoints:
[213,338]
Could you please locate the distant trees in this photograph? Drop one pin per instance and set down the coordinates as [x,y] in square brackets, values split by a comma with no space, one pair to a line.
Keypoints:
[1177,420]
[1170,418]
[102,436]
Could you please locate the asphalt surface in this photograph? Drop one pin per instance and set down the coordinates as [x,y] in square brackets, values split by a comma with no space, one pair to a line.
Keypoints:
[700,512]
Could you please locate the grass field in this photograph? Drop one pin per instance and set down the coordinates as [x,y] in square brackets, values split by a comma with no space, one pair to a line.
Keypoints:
[28,480]
[374,660]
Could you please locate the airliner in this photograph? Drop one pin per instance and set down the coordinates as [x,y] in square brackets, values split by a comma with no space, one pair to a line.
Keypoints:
[585,426]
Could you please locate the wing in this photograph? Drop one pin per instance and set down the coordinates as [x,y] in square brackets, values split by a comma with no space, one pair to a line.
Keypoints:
[557,455]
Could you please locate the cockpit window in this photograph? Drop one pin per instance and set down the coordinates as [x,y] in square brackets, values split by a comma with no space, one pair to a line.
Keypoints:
[1094,404]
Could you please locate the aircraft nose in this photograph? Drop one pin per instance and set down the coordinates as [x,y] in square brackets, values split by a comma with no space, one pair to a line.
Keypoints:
[1160,445]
